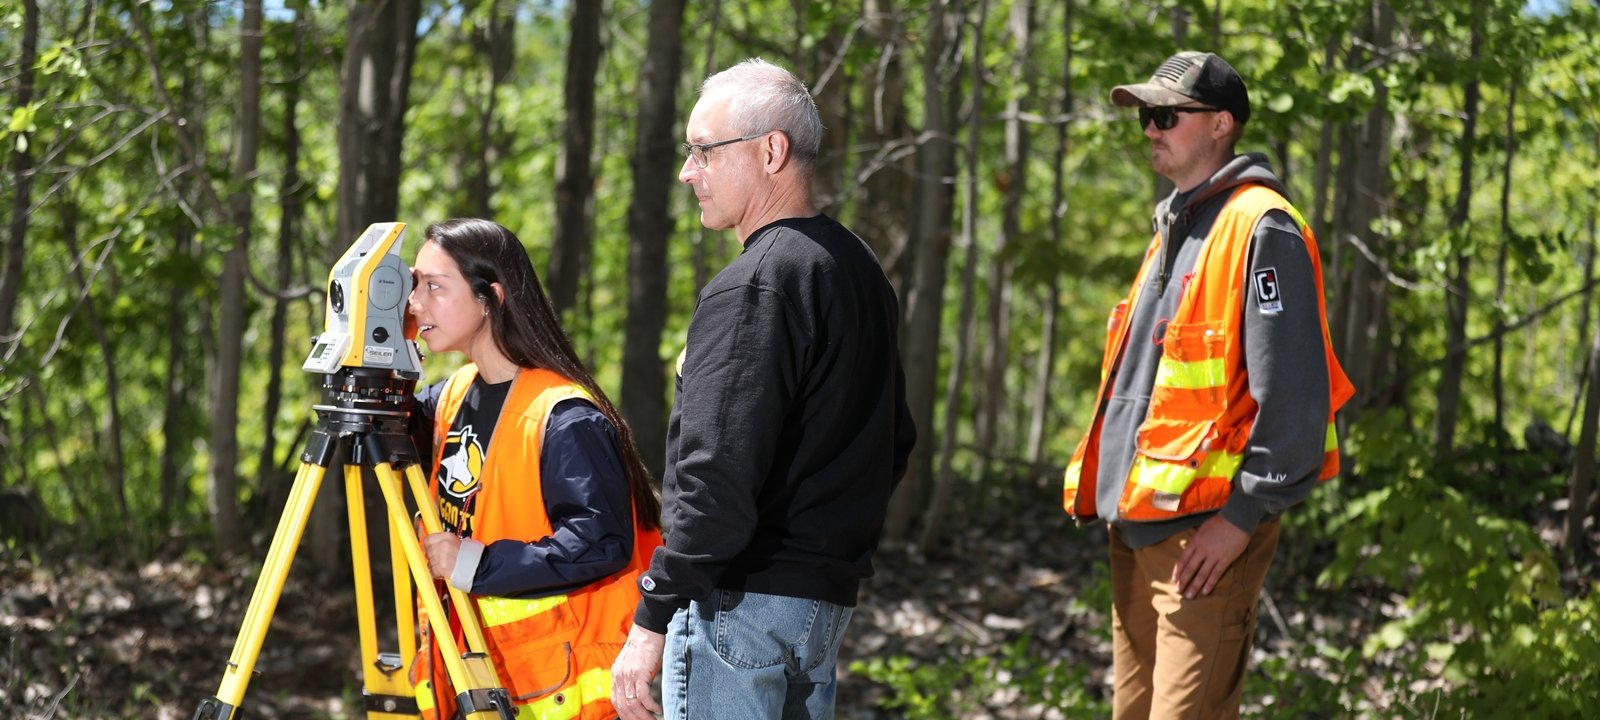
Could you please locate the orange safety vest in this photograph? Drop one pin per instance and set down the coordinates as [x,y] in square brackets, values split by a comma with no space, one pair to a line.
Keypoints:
[554,653]
[1192,442]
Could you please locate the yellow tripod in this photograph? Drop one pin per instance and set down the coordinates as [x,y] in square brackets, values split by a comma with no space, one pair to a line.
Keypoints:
[366,414]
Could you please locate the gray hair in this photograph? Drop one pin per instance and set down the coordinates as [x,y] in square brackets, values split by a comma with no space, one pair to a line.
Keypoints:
[764,97]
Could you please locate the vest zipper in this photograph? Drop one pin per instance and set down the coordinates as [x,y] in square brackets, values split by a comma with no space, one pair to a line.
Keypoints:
[1162,277]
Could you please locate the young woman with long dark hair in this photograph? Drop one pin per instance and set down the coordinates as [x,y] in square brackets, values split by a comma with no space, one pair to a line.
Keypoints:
[549,513]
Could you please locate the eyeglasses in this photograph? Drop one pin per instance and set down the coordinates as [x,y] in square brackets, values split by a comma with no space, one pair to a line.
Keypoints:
[1167,117]
[697,151]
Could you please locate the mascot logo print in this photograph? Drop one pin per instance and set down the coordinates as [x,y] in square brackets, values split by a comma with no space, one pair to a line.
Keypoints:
[461,465]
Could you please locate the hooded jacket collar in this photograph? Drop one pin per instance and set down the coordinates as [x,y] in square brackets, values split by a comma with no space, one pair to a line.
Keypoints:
[1249,168]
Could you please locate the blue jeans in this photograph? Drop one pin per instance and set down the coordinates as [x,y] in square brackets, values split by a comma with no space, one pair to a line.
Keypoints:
[749,655]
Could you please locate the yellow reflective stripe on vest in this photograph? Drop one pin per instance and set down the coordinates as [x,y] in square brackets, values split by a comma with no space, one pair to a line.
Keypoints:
[1331,443]
[1193,375]
[568,703]
[1174,478]
[1299,219]
[499,611]
[1074,473]
[424,693]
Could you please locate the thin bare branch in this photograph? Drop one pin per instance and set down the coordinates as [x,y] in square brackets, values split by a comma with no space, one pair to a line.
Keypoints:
[147,46]
[91,162]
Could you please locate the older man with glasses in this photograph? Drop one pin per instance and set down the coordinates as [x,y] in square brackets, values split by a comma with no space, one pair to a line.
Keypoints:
[1215,408]
[788,432]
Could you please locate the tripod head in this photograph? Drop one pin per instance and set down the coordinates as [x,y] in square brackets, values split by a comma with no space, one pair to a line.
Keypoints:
[366,312]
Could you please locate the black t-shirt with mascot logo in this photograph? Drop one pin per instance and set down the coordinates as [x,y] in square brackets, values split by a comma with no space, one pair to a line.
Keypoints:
[461,458]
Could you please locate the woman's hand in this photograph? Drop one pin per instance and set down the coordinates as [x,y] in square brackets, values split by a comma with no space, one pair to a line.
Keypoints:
[442,549]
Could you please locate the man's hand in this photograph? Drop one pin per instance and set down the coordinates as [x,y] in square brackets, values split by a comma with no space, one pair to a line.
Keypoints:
[442,549]
[1214,547]
[631,674]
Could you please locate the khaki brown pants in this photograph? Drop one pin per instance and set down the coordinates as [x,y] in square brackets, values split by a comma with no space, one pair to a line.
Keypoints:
[1175,657]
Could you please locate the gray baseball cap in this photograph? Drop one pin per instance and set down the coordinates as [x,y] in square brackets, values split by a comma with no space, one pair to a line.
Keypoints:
[1189,77]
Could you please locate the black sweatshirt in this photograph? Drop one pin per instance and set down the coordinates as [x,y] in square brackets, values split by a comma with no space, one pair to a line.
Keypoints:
[789,430]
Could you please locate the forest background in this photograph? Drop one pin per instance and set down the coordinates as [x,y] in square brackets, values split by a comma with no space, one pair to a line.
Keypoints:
[181,174]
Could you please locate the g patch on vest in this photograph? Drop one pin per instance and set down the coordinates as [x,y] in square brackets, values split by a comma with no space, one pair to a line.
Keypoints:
[1269,297]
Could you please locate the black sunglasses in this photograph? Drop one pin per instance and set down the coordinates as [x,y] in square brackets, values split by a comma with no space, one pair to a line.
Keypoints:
[1166,117]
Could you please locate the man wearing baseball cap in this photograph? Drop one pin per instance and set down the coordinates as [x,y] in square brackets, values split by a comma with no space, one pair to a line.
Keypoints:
[1215,408]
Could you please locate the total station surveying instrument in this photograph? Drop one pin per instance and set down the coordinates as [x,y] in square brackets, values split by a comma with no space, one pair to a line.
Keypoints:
[370,366]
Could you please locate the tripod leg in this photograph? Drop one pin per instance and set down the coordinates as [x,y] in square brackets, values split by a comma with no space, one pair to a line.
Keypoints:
[430,523]
[480,696]
[404,600]
[387,695]
[264,601]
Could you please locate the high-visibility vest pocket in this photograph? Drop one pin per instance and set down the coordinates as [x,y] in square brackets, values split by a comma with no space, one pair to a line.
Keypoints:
[539,671]
[1182,441]
[532,642]
[584,692]
[1192,378]
[1179,468]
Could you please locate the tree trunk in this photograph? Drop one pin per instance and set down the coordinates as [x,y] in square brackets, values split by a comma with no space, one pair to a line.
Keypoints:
[930,247]
[1573,538]
[380,45]
[706,242]
[998,289]
[273,485]
[1052,296]
[650,225]
[178,402]
[1584,311]
[225,369]
[21,197]
[828,76]
[1321,176]
[22,177]
[882,175]
[116,466]
[177,392]
[1578,493]
[574,172]
[1500,261]
[1458,291]
[496,41]
[1178,20]
[1363,184]
[1039,403]
[933,521]
[69,482]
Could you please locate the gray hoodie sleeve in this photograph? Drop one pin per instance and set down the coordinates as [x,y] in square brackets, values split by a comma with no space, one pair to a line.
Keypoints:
[1284,355]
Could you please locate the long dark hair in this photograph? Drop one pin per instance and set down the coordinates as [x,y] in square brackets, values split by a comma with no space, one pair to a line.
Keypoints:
[527,330]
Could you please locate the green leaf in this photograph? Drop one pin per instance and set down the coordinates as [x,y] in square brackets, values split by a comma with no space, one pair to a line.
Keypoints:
[22,118]
[1348,85]
[1390,636]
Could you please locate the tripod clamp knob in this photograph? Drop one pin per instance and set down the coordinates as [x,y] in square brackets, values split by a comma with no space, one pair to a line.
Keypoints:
[484,700]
